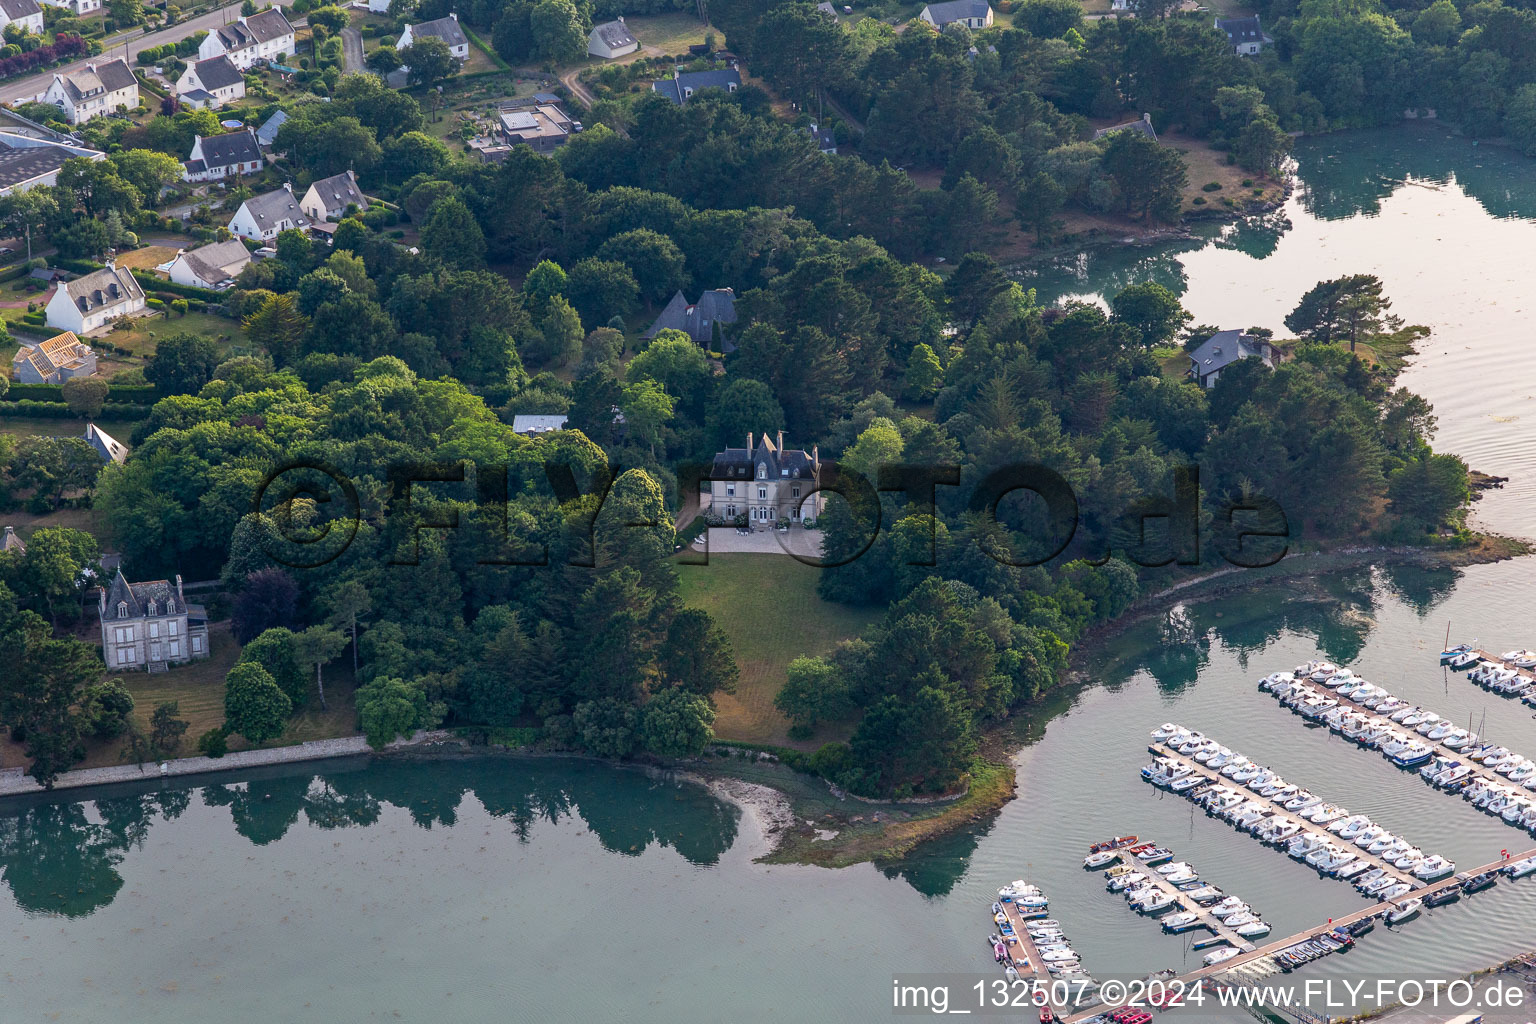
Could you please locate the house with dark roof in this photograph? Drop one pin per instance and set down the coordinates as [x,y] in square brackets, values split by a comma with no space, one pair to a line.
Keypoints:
[1142,124]
[538,423]
[210,83]
[447,29]
[107,446]
[1246,35]
[825,140]
[11,541]
[683,84]
[328,198]
[262,218]
[612,39]
[62,357]
[267,133]
[264,36]
[970,13]
[715,310]
[149,626]
[1223,349]
[765,482]
[24,14]
[95,299]
[217,157]
[93,90]
[215,265]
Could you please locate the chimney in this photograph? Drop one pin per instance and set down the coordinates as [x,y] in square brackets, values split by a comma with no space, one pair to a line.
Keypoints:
[289,186]
[781,440]
[1147,117]
[454,15]
[750,449]
[816,459]
[180,599]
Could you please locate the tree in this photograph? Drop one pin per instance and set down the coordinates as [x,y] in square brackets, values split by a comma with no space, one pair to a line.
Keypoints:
[324,142]
[556,30]
[165,729]
[1429,492]
[60,563]
[254,705]
[677,723]
[331,17]
[415,153]
[452,234]
[83,240]
[182,364]
[383,60]
[561,329]
[697,655]
[923,744]
[1151,177]
[1438,24]
[278,327]
[1344,307]
[674,361]
[743,404]
[430,61]
[317,646]
[389,707]
[105,707]
[1048,19]
[814,691]
[654,259]
[608,727]
[647,408]
[276,651]
[601,290]
[1152,311]
[1262,145]
[544,282]
[23,212]
[148,171]
[925,374]
[796,48]
[126,12]
[1040,200]
[267,598]
[348,602]
[85,396]
[44,677]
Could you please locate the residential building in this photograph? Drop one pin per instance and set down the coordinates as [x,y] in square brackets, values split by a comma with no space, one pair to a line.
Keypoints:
[825,140]
[1223,349]
[24,13]
[93,90]
[683,84]
[1246,35]
[78,7]
[215,265]
[328,198]
[447,29]
[267,133]
[27,161]
[11,541]
[264,36]
[535,423]
[826,8]
[217,157]
[970,13]
[765,482]
[107,446]
[545,127]
[612,39]
[1142,124]
[715,309]
[262,218]
[210,83]
[62,357]
[149,625]
[91,301]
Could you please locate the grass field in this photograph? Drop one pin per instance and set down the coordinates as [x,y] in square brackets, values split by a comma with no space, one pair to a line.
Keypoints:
[671,33]
[768,606]
[139,338]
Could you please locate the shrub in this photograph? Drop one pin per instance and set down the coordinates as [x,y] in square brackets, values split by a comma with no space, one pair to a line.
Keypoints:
[1198,201]
[1211,186]
[213,743]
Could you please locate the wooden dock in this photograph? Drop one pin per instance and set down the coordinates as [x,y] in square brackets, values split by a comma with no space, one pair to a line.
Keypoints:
[1278,810]
[1025,946]
[1207,922]
[1270,949]
[1477,770]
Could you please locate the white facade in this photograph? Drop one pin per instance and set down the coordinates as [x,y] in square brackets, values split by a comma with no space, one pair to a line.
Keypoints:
[459,46]
[611,39]
[77,6]
[261,37]
[216,82]
[93,91]
[262,218]
[149,626]
[25,13]
[95,300]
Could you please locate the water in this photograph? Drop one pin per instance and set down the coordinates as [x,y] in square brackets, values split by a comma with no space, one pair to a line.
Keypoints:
[535,889]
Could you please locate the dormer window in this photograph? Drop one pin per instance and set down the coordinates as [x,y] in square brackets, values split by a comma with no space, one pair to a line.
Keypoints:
[762,470]
[152,608]
[122,609]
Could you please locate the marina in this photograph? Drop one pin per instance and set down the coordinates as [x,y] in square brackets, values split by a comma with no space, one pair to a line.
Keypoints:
[1032,947]
[1188,902]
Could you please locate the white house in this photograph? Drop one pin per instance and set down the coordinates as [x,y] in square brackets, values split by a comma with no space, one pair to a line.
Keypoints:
[263,36]
[1246,35]
[218,156]
[379,6]
[215,265]
[1224,348]
[78,7]
[88,302]
[94,90]
[210,83]
[262,218]
[447,29]
[612,39]
[329,198]
[970,13]
[25,13]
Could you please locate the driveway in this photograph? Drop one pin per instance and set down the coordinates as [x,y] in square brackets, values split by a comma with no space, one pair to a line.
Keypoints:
[23,90]
[351,49]
[796,540]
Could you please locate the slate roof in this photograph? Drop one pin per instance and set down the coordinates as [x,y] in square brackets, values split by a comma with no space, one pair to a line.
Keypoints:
[218,261]
[108,77]
[107,287]
[267,133]
[231,148]
[956,10]
[446,29]
[338,192]
[614,34]
[675,89]
[60,352]
[108,447]
[271,207]
[697,320]
[262,27]
[11,542]
[1142,124]
[1243,30]
[138,595]
[1223,349]
[15,10]
[739,463]
[216,72]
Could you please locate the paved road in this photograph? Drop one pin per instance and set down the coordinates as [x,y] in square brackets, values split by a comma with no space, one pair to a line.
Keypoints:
[24,89]
[351,49]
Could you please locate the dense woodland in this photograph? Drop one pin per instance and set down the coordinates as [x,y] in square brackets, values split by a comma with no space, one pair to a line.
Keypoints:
[550,613]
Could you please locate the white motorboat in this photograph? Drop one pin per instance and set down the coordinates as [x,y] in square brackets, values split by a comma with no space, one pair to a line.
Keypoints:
[1172,867]
[1056,956]
[1254,929]
[1434,867]
[1404,911]
[1154,903]
[1392,892]
[1098,860]
[1520,868]
[1164,731]
[1368,836]
[1011,973]
[1127,881]
[1220,956]
[1180,921]
[1352,869]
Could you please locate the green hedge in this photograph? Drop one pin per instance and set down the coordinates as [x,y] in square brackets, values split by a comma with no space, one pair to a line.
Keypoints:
[127,394]
[77,266]
[59,411]
[150,281]
[12,273]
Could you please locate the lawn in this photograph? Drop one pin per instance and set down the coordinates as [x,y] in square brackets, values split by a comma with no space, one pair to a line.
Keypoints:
[139,337]
[671,33]
[147,258]
[768,606]
[28,523]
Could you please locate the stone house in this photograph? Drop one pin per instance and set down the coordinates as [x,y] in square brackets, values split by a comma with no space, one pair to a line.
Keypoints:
[149,626]
[62,357]
[765,482]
